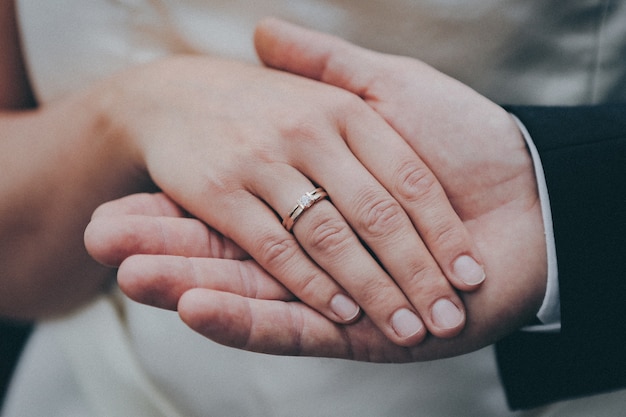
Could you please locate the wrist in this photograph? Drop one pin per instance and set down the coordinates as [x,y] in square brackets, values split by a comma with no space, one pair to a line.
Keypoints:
[112,137]
[61,162]
[549,312]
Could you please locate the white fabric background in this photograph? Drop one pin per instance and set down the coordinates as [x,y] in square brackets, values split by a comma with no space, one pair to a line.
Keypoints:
[118,358]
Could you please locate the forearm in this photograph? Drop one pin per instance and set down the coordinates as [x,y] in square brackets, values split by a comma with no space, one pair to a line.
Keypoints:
[59,163]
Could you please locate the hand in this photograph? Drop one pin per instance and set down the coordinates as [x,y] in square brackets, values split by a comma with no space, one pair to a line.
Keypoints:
[487,173]
[235,145]
[224,295]
[478,154]
[152,224]
[169,260]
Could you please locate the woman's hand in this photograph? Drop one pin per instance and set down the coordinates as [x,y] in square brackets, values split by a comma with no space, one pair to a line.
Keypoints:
[473,146]
[237,145]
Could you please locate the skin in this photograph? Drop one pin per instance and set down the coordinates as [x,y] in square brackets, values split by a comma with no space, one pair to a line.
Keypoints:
[43,262]
[235,145]
[472,145]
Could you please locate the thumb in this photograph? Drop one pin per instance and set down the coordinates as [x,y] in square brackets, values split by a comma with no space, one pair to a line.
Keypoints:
[314,55]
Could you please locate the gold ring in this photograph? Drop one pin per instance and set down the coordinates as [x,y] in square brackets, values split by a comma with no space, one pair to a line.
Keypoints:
[304,202]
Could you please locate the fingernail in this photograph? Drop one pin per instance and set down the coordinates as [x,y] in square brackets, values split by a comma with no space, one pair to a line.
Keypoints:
[466,268]
[344,307]
[446,315]
[405,323]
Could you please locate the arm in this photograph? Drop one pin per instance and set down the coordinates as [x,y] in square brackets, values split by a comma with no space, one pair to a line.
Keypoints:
[43,209]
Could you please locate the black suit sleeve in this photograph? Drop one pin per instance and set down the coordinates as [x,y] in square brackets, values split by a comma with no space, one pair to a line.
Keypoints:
[583,152]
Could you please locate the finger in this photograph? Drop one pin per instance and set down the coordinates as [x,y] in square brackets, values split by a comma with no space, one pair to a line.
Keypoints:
[112,238]
[330,238]
[381,221]
[312,54]
[161,280]
[410,181]
[330,241]
[259,231]
[156,204]
[377,219]
[284,328]
[337,62]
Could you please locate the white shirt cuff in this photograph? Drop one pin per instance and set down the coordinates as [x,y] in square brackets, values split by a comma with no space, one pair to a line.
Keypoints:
[550,312]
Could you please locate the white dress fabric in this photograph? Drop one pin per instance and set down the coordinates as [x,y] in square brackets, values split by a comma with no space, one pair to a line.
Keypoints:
[118,358]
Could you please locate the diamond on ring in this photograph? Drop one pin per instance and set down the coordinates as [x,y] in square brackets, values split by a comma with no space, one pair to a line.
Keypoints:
[304,202]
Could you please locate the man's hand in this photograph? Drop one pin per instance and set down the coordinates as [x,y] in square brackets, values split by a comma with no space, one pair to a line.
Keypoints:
[156,242]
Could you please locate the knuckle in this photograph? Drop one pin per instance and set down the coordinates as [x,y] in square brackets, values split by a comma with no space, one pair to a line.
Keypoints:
[420,272]
[247,283]
[346,106]
[375,294]
[295,329]
[349,101]
[423,281]
[300,129]
[307,134]
[415,182]
[273,251]
[307,288]
[444,238]
[328,235]
[275,255]
[380,216]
